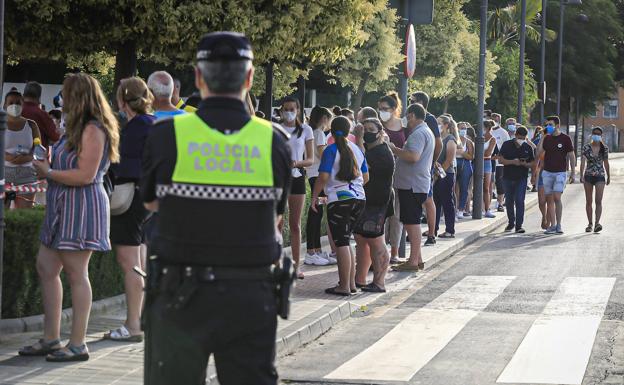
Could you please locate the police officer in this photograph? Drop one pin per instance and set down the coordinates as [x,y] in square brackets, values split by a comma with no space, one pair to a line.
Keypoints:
[219,180]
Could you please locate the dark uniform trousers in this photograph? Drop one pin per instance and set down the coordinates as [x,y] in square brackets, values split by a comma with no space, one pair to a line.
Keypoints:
[234,320]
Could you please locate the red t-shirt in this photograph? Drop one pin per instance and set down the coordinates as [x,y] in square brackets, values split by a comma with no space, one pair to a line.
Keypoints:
[556,149]
[46,125]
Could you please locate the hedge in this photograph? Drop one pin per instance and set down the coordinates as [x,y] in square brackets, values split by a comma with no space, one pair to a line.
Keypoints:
[21,295]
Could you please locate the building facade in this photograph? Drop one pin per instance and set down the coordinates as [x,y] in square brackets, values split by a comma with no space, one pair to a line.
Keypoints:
[610,116]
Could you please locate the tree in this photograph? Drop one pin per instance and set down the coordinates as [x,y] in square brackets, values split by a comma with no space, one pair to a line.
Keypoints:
[371,65]
[504,24]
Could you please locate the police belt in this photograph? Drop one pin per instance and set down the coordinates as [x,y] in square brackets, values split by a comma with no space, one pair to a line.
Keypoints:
[217,273]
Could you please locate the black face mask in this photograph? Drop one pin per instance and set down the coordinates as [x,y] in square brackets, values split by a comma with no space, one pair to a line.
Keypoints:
[370,137]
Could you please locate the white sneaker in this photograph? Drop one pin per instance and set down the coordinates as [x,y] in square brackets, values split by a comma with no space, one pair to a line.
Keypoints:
[488,214]
[329,257]
[315,259]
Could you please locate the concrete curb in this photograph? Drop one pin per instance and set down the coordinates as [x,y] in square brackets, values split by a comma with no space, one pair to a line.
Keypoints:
[35,323]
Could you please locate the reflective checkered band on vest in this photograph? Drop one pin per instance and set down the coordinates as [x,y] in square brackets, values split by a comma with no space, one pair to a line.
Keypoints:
[223,193]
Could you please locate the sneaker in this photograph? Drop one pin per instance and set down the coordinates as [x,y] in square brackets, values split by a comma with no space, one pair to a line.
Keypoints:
[500,208]
[558,229]
[467,214]
[488,214]
[315,260]
[520,231]
[395,261]
[459,216]
[551,230]
[509,227]
[430,241]
[330,257]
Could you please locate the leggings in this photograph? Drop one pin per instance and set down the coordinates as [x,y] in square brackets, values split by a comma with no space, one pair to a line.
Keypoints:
[313,224]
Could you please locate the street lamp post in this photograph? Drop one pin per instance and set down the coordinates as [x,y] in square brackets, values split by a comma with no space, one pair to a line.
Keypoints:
[477,184]
[521,71]
[3,126]
[562,4]
[542,80]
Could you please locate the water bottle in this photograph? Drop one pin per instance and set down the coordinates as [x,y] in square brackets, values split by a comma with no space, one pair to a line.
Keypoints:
[39,152]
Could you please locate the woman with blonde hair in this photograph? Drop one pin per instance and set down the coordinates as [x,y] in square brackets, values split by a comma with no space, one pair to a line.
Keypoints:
[445,184]
[77,214]
[127,211]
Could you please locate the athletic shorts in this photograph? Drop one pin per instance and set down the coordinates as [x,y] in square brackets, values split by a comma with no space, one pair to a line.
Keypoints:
[298,186]
[341,217]
[411,206]
[594,179]
[554,182]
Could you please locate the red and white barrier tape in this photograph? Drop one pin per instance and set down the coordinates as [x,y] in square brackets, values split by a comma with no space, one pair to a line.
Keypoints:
[36,187]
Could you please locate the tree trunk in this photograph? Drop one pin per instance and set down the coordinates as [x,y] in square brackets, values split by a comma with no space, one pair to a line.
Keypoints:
[125,62]
[359,94]
[446,104]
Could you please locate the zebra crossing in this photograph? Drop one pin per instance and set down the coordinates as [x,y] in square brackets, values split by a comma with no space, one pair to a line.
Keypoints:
[554,349]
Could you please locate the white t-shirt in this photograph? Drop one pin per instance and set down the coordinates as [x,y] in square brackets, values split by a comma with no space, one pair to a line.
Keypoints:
[298,144]
[319,140]
[337,190]
[501,135]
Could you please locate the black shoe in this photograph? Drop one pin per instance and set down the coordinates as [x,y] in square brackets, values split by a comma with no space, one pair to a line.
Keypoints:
[534,189]
[430,241]
[509,227]
[520,231]
[501,208]
[423,221]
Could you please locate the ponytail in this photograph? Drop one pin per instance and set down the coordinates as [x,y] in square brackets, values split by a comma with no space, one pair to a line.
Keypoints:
[394,101]
[348,170]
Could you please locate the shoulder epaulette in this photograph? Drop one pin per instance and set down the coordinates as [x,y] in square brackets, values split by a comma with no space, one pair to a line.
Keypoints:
[280,130]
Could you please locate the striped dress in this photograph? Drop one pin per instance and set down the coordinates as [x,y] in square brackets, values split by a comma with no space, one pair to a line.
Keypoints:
[77,217]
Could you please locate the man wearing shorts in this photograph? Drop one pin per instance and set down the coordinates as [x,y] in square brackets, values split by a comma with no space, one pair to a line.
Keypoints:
[412,178]
[559,158]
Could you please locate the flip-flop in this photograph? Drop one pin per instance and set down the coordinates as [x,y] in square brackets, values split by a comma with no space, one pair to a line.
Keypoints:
[333,291]
[372,288]
[405,267]
[122,334]
[446,235]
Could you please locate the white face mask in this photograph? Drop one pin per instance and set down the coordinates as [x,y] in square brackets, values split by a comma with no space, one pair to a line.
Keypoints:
[385,115]
[290,116]
[14,110]
[521,141]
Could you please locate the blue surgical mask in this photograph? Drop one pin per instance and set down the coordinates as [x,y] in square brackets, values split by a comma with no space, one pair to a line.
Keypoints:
[596,138]
[463,133]
[511,127]
[550,129]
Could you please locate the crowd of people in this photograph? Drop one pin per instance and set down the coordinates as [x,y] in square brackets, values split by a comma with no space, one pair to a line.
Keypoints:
[376,173]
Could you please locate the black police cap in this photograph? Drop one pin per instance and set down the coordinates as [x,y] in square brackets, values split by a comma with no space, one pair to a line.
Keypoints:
[224,46]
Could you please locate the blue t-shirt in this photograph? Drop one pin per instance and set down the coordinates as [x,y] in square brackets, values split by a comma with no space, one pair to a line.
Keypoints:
[167,114]
[337,190]
[432,122]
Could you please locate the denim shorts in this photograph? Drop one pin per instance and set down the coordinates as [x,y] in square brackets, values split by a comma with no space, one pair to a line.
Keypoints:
[487,166]
[554,182]
[540,180]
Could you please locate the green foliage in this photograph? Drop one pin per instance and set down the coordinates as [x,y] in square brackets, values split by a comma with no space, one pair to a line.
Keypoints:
[21,288]
[504,24]
[370,67]
[504,96]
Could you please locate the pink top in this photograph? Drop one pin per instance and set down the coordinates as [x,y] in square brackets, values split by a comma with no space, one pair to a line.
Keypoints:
[351,137]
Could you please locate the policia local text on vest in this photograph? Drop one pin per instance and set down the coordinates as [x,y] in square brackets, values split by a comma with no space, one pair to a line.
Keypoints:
[219,179]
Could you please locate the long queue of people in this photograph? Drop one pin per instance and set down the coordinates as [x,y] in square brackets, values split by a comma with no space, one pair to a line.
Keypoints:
[379,174]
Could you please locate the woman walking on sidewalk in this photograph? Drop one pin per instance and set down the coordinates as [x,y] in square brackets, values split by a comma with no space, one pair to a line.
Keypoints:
[77,216]
[342,174]
[595,156]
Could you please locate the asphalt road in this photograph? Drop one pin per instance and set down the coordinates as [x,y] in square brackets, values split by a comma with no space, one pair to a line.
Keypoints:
[528,308]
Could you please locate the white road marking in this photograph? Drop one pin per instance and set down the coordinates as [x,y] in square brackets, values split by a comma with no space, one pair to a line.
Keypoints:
[557,347]
[412,343]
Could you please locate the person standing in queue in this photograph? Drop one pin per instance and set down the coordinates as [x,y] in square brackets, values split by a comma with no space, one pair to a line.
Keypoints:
[219,179]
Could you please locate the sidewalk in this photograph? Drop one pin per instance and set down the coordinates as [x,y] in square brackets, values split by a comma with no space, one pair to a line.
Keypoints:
[313,313]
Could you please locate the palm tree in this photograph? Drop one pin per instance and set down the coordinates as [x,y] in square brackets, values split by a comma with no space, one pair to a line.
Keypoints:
[504,24]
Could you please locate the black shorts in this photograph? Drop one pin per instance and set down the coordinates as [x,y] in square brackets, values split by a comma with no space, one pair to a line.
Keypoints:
[127,229]
[372,221]
[594,179]
[298,186]
[341,217]
[411,206]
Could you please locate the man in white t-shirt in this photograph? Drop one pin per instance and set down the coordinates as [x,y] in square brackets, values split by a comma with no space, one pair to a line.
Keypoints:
[501,135]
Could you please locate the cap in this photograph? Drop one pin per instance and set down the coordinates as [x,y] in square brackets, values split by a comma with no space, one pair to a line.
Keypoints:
[224,46]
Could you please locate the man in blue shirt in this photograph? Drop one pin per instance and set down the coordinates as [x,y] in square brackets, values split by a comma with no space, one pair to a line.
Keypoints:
[161,84]
[422,98]
[518,157]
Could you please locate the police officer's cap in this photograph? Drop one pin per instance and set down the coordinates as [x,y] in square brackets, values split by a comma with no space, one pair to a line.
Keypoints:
[224,46]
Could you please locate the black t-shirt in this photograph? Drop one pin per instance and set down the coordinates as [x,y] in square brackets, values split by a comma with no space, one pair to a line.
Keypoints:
[509,151]
[380,163]
[213,232]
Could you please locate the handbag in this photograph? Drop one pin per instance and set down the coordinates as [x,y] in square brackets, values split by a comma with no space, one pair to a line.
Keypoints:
[371,222]
[121,198]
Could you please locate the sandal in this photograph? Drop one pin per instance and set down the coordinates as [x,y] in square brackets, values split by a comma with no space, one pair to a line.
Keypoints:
[372,288]
[598,228]
[45,348]
[333,291]
[589,228]
[446,235]
[122,334]
[405,267]
[69,354]
[300,275]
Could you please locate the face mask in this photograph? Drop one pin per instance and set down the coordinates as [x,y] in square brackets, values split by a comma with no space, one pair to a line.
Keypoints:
[385,115]
[14,110]
[511,127]
[521,141]
[290,116]
[122,115]
[439,128]
[596,138]
[550,129]
[463,133]
[370,137]
[404,121]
